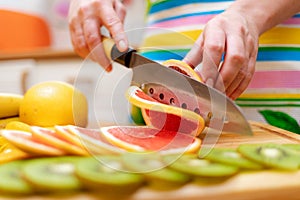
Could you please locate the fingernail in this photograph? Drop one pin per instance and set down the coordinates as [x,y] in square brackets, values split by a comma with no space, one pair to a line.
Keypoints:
[108,68]
[122,45]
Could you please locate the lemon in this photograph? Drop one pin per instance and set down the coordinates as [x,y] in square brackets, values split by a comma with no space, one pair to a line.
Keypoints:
[15,125]
[51,103]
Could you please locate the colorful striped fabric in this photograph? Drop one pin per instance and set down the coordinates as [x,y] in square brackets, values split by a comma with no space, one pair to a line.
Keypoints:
[174,25]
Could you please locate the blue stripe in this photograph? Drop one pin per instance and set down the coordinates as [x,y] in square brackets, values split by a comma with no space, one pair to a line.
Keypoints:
[296,15]
[263,55]
[187,15]
[278,55]
[165,55]
[175,3]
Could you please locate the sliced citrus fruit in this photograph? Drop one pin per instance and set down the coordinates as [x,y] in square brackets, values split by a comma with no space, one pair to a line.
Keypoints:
[50,137]
[16,125]
[164,116]
[94,142]
[65,133]
[9,153]
[143,138]
[24,141]
[181,67]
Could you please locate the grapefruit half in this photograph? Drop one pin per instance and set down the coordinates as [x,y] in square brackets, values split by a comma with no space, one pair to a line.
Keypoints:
[166,117]
[182,68]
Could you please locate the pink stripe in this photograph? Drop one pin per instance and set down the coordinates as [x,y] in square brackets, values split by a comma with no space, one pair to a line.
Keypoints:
[292,21]
[193,20]
[276,79]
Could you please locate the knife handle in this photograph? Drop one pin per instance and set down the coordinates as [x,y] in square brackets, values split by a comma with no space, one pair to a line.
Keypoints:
[114,54]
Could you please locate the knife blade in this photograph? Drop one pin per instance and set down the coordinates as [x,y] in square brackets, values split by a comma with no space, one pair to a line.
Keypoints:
[223,114]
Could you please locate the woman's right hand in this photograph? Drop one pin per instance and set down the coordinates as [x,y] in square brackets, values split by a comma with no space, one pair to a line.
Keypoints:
[86,17]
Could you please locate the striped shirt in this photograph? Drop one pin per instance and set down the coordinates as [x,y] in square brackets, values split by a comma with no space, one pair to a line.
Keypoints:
[174,26]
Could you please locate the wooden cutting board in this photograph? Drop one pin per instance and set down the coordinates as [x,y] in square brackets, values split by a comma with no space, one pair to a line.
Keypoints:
[244,186]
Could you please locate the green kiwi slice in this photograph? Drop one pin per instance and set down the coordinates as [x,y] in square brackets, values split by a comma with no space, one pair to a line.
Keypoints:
[11,181]
[231,157]
[192,165]
[155,171]
[270,155]
[55,174]
[106,173]
[295,147]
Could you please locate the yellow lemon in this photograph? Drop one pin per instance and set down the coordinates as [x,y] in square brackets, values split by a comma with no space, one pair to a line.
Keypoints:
[53,103]
[15,125]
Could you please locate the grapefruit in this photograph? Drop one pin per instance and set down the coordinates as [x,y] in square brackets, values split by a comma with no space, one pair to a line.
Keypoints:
[49,137]
[10,152]
[66,134]
[25,142]
[166,117]
[182,68]
[51,103]
[93,141]
[143,138]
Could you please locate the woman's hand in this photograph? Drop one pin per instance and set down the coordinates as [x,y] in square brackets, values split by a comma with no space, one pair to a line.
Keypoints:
[234,38]
[86,17]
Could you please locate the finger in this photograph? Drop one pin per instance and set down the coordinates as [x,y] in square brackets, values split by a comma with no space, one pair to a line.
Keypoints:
[113,23]
[120,10]
[247,79]
[237,81]
[77,38]
[233,62]
[92,35]
[214,47]
[194,56]
[243,72]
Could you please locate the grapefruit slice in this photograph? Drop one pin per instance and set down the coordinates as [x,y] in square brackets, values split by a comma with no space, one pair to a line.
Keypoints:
[8,152]
[26,142]
[50,137]
[164,116]
[182,67]
[143,138]
[94,141]
[65,133]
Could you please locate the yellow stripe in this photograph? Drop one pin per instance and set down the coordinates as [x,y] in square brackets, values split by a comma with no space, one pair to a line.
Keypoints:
[277,35]
[172,39]
[270,96]
[281,35]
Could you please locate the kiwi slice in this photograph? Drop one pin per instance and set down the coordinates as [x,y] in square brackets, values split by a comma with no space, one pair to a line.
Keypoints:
[231,157]
[11,181]
[155,171]
[295,147]
[106,175]
[55,174]
[271,155]
[192,165]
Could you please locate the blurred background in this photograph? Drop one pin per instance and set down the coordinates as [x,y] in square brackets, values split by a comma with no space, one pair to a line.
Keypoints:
[35,46]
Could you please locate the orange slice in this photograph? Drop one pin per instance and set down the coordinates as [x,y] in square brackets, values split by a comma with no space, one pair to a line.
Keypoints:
[143,138]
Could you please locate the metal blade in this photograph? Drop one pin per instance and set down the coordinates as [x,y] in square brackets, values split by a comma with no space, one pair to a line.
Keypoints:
[227,116]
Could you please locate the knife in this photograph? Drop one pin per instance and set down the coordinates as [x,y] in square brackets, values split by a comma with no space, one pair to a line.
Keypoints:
[221,112]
